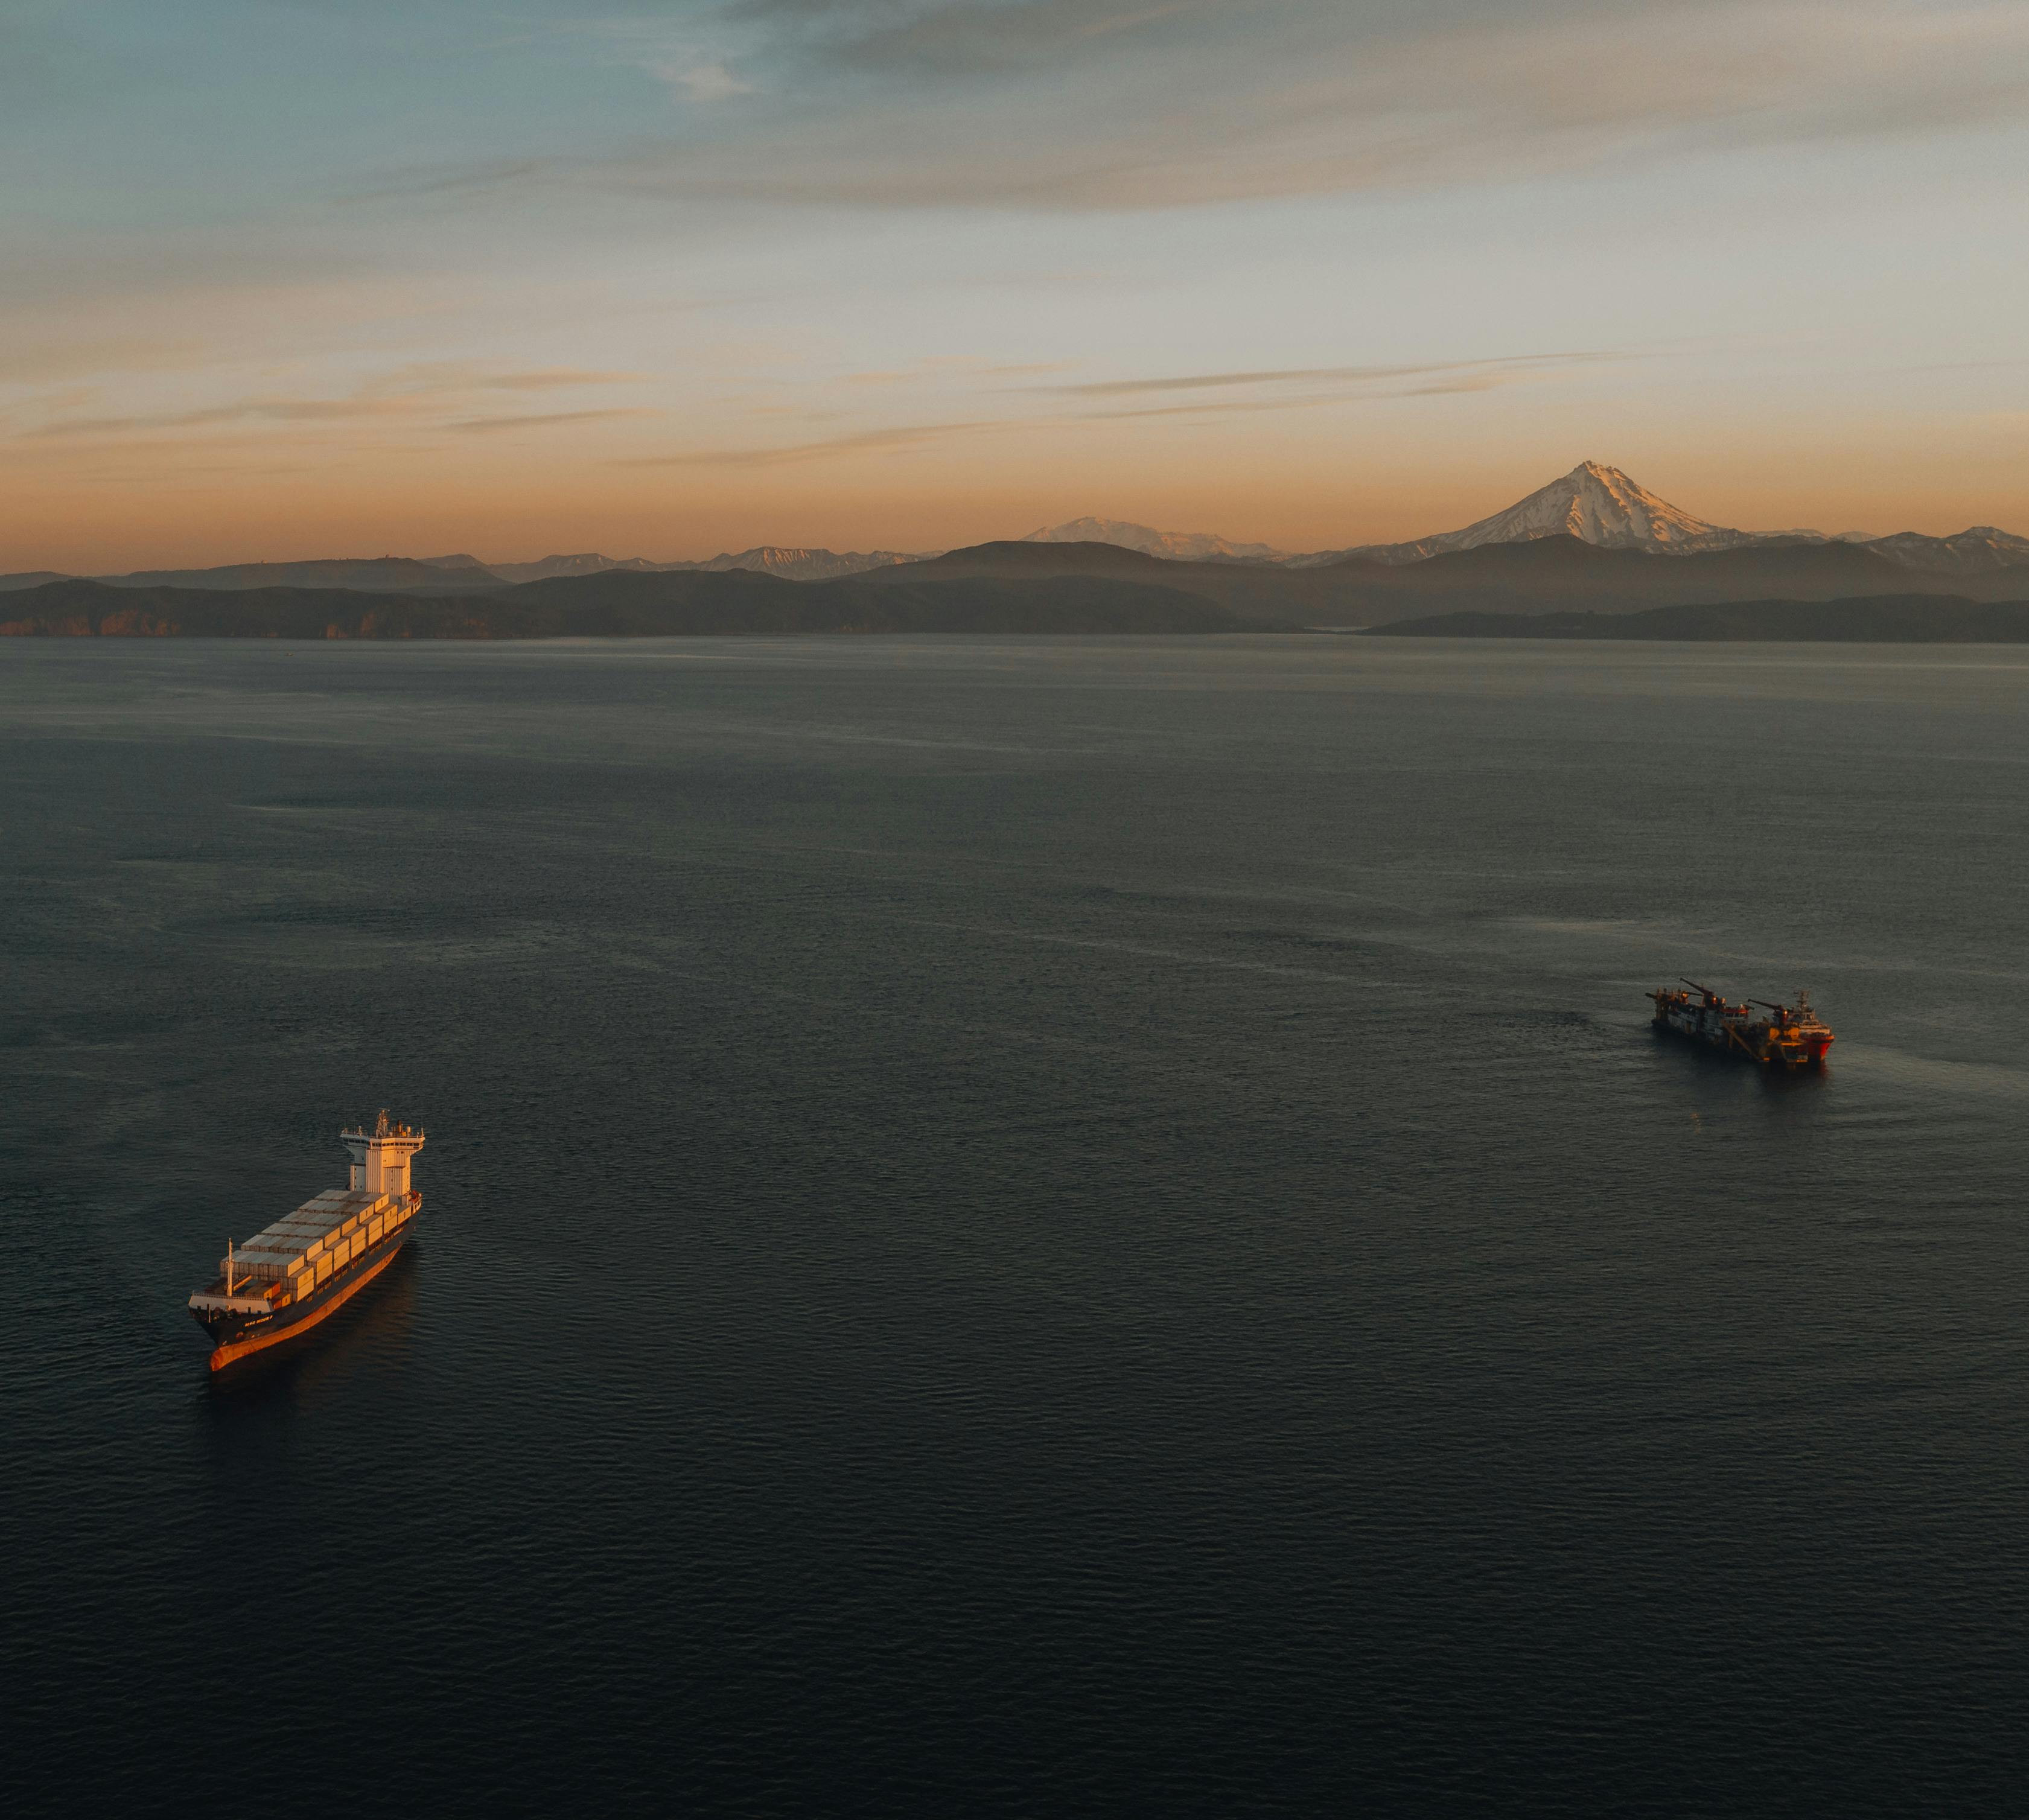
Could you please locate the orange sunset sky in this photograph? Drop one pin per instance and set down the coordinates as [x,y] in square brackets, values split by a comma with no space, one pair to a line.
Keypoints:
[321,280]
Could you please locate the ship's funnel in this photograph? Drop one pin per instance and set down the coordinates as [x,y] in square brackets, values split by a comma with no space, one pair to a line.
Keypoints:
[380,1156]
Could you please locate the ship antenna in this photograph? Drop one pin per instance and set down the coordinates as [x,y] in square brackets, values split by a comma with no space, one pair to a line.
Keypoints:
[228,1266]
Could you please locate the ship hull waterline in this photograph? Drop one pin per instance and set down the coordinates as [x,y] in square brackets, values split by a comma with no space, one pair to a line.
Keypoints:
[1808,1051]
[272,1332]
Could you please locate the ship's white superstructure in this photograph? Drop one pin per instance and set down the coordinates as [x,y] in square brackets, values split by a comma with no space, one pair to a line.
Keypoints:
[380,1158]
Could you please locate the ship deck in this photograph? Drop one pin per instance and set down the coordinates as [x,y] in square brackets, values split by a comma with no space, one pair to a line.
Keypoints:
[248,1299]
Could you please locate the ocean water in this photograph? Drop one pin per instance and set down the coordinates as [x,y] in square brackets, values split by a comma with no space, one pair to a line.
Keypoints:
[1020,1227]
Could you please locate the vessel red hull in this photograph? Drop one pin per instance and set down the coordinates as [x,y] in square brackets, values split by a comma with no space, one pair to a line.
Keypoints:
[222,1356]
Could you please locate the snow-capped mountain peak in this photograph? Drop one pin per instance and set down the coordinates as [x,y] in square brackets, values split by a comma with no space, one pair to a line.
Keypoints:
[1602,506]
[1593,502]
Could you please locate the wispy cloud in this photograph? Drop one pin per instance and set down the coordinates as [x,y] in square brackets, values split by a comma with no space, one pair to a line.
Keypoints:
[892,440]
[941,367]
[691,71]
[1316,375]
[1009,103]
[417,392]
[472,178]
[704,81]
[1294,389]
[425,378]
[1457,385]
[546,420]
[247,410]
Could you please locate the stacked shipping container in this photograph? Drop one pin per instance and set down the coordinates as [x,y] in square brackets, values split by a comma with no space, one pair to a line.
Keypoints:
[323,1235]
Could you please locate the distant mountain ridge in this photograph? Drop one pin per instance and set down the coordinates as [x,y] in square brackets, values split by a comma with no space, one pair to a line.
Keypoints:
[434,575]
[801,565]
[1980,550]
[548,567]
[1560,571]
[1176,546]
[1595,503]
[365,574]
[790,563]
[1027,587]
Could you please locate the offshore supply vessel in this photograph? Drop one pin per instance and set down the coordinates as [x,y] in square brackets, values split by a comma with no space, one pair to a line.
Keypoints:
[1789,1036]
[289,1275]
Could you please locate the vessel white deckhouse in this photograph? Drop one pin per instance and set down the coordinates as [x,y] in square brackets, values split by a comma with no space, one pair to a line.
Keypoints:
[291,1274]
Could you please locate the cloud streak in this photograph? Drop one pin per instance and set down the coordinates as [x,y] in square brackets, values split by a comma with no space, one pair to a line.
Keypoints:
[1344,386]
[1111,105]
[546,420]
[1462,383]
[894,440]
[426,378]
[1316,375]
[249,410]
[413,392]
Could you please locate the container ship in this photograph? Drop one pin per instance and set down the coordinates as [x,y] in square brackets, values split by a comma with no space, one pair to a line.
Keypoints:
[288,1277]
[1788,1037]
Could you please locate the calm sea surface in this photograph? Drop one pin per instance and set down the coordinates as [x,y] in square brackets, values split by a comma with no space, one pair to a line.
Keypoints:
[1026,1227]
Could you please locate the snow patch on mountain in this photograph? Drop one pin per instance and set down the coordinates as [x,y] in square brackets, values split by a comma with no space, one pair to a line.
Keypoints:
[1975,551]
[588,563]
[801,565]
[1177,546]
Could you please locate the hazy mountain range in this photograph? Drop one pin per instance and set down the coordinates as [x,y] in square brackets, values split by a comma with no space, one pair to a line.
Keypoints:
[1596,504]
[1593,504]
[1592,542]
[1178,546]
[1555,571]
[790,564]
[433,575]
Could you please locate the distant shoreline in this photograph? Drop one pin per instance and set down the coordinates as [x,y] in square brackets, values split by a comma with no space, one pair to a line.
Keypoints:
[688,604]
[1892,619]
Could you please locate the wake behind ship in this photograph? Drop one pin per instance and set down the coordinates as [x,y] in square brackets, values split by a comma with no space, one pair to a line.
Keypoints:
[288,1276]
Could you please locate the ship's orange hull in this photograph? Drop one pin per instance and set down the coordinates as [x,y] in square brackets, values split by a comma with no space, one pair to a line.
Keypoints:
[1786,1039]
[222,1356]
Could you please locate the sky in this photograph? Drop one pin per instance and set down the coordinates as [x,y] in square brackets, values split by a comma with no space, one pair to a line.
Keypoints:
[297,278]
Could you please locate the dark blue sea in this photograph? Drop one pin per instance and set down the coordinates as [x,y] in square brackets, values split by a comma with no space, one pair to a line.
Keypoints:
[1019,1227]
